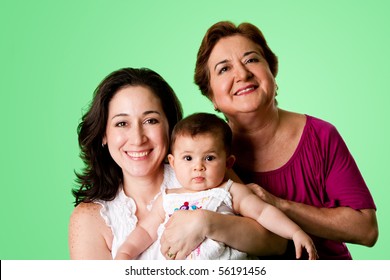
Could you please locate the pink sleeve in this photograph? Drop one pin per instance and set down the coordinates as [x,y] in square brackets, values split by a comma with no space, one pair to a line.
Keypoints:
[345,185]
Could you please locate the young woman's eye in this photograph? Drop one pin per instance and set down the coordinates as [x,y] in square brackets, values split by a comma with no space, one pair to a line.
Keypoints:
[120,124]
[187,158]
[151,121]
[209,158]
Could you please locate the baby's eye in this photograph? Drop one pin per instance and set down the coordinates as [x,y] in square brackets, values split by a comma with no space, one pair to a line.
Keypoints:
[187,158]
[209,158]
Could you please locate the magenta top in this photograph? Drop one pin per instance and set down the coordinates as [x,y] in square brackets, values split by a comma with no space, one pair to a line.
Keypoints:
[322,173]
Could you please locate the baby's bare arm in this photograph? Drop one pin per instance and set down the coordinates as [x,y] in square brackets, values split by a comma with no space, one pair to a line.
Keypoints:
[248,204]
[144,234]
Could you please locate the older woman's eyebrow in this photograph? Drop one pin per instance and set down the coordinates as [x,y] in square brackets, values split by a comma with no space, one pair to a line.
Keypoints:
[251,52]
[244,55]
[221,62]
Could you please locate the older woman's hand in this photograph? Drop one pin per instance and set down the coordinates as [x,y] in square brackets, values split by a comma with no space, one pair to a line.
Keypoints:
[266,196]
[180,236]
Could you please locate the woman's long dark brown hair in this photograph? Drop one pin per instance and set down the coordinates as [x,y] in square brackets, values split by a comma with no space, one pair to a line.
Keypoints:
[101,176]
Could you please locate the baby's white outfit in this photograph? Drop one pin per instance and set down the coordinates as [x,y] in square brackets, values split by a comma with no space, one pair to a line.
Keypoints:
[217,200]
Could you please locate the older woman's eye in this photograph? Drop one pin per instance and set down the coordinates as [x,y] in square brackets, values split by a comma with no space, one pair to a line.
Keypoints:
[223,70]
[251,60]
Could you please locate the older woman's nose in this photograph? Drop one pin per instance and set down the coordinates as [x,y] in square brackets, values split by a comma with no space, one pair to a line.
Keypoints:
[242,73]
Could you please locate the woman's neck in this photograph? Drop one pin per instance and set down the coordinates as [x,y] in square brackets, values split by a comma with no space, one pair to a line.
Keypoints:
[267,140]
[143,189]
[259,127]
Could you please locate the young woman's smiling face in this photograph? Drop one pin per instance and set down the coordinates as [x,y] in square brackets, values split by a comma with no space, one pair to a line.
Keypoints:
[137,132]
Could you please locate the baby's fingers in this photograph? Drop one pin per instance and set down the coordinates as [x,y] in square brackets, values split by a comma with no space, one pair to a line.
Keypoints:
[311,250]
[298,251]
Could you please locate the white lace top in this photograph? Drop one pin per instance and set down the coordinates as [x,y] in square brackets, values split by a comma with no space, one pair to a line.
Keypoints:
[217,200]
[119,214]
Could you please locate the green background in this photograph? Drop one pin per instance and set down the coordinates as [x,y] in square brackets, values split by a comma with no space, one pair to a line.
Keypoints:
[334,64]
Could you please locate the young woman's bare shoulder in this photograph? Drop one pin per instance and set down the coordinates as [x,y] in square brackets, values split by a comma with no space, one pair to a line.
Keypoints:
[85,208]
[87,213]
[86,218]
[89,234]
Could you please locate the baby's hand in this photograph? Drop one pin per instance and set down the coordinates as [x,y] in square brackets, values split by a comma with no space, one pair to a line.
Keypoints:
[301,239]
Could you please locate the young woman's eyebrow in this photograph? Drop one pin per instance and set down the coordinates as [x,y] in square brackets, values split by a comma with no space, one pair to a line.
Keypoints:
[144,114]
[151,112]
[119,115]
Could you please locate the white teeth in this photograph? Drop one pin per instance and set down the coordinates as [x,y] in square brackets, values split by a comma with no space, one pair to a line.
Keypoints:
[245,90]
[136,154]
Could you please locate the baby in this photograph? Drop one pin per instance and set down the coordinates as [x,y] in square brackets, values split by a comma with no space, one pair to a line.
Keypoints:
[200,147]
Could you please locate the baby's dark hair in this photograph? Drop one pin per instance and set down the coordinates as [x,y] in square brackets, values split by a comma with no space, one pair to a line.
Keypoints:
[203,123]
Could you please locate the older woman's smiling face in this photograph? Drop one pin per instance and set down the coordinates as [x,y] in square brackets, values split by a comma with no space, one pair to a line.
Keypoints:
[240,77]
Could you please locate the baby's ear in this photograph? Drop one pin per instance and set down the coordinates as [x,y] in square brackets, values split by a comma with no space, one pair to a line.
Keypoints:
[171,160]
[230,161]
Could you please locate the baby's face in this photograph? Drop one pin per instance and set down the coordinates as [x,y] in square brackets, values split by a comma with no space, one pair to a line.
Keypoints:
[199,162]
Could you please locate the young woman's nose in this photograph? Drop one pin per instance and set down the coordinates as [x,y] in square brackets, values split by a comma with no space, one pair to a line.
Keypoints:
[137,135]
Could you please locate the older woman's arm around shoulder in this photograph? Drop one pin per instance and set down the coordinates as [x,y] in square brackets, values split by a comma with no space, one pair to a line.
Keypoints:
[89,236]
[342,224]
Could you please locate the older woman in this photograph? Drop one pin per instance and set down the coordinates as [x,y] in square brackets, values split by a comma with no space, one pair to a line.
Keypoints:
[300,163]
[124,140]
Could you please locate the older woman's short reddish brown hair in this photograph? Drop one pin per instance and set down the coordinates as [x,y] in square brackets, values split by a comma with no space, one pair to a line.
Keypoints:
[225,29]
